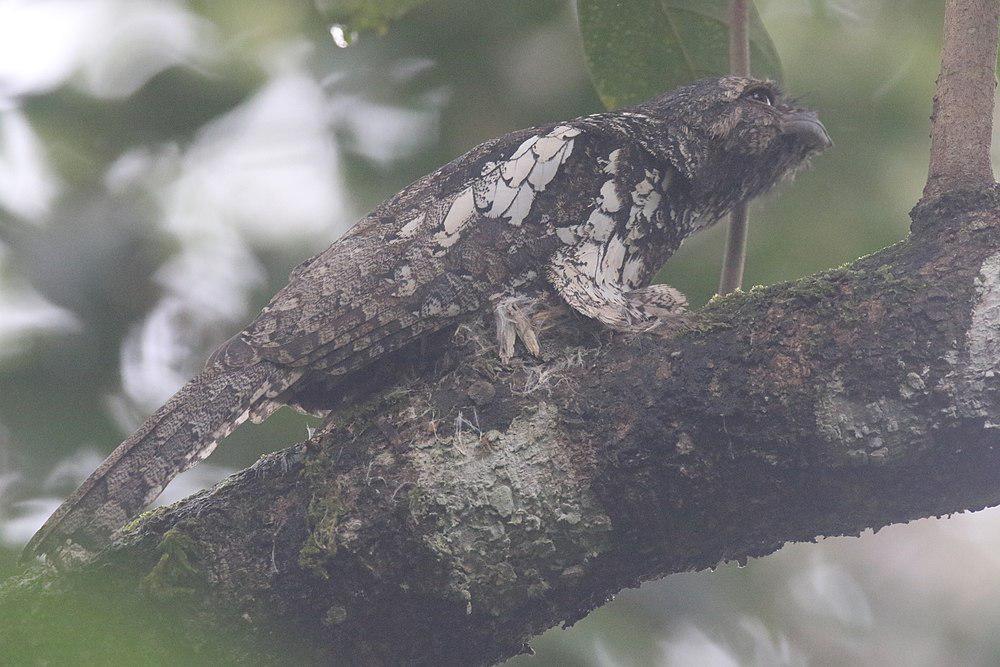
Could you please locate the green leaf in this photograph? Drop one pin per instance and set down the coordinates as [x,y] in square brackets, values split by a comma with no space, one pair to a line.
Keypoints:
[636,49]
[358,15]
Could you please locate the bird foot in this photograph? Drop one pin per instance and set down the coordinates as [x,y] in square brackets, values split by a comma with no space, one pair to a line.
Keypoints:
[664,309]
[513,316]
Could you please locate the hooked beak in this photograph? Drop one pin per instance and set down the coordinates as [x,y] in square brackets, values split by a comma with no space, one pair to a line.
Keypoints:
[806,128]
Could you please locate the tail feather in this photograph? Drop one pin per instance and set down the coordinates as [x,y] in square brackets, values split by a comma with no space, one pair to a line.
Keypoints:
[174,438]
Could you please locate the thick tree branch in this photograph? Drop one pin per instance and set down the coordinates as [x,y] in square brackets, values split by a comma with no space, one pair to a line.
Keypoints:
[458,513]
[962,121]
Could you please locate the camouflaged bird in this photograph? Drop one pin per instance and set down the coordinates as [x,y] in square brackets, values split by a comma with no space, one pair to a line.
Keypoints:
[589,208]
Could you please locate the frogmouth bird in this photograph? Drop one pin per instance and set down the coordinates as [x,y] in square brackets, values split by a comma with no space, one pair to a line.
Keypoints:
[587,209]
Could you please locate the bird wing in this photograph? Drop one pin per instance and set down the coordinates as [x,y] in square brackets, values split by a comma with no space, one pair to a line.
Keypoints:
[398,273]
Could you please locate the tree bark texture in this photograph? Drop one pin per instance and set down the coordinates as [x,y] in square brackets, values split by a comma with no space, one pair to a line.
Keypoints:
[453,515]
[962,121]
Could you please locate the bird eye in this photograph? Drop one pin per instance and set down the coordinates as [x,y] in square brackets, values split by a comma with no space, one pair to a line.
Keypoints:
[761,95]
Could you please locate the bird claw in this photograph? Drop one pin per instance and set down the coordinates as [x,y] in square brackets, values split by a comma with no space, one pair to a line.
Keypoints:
[665,309]
[513,316]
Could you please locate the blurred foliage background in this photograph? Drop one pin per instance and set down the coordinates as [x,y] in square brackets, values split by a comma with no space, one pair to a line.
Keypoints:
[163,164]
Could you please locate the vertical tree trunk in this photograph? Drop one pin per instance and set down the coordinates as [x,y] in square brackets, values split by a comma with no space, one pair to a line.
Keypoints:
[962,121]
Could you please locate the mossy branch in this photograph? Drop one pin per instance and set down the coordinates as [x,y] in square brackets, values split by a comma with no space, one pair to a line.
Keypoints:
[859,397]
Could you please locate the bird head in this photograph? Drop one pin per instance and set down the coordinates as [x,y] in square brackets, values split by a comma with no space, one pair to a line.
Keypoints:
[735,137]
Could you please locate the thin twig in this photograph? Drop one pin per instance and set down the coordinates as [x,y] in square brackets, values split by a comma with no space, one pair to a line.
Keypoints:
[736,250]
[739,64]
[739,37]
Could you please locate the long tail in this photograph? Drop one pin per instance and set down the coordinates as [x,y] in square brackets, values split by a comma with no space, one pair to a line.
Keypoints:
[174,438]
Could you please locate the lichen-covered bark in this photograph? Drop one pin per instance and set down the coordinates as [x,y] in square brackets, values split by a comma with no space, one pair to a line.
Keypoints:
[456,514]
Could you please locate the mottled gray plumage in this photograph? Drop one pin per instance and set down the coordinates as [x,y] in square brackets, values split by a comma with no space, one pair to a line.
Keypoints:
[590,208]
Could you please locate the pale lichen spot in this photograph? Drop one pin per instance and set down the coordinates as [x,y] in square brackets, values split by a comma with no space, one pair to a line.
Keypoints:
[444,240]
[612,166]
[543,172]
[600,225]
[495,203]
[520,207]
[410,228]
[546,147]
[614,258]
[642,190]
[983,338]
[508,189]
[515,171]
[461,211]
[523,148]
[610,201]
[651,205]
[567,234]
